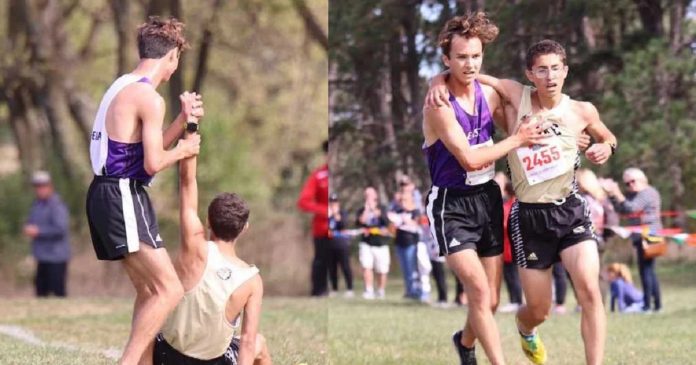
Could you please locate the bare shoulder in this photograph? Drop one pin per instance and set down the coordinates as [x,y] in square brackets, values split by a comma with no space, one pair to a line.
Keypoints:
[430,113]
[487,90]
[144,95]
[255,283]
[585,110]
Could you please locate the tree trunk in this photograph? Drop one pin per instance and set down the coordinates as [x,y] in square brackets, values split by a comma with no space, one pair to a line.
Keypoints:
[176,82]
[124,31]
[204,49]
[650,16]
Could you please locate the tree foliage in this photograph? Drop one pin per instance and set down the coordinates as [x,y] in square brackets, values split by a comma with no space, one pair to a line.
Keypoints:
[259,64]
[633,59]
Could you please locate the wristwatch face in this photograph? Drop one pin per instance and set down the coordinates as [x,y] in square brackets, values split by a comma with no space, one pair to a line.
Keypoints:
[192,127]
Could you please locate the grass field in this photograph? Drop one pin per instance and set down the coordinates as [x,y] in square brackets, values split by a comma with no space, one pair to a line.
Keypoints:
[354,331]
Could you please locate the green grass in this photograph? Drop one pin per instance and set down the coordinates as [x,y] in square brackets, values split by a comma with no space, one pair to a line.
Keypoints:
[295,329]
[356,331]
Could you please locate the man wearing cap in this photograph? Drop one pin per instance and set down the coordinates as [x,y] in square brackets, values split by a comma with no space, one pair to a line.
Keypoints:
[47,227]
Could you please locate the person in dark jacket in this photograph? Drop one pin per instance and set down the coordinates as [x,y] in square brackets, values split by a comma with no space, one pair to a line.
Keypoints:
[47,227]
[339,250]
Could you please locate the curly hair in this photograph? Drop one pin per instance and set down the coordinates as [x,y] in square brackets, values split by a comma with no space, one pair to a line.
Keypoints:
[158,36]
[227,215]
[468,26]
[544,47]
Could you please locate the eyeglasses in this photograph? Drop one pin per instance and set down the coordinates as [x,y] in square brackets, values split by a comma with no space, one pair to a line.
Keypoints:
[542,73]
[630,182]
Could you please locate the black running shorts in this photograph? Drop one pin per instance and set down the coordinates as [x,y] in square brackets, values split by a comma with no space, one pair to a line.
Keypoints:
[120,217]
[165,354]
[467,219]
[540,231]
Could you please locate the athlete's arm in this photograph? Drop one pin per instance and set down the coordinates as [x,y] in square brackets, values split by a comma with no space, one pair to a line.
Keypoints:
[192,229]
[599,152]
[250,322]
[151,113]
[509,90]
[504,114]
[191,110]
[437,94]
[443,123]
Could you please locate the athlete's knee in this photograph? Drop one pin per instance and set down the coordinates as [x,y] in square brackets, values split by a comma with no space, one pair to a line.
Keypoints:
[588,294]
[168,290]
[174,292]
[479,295]
[538,313]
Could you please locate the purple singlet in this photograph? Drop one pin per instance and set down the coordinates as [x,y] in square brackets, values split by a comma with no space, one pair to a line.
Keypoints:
[445,170]
[127,160]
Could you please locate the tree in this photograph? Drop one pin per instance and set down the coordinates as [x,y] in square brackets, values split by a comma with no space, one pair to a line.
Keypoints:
[378,48]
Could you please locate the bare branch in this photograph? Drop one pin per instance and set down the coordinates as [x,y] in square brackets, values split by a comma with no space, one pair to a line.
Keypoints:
[70,8]
[98,19]
[311,24]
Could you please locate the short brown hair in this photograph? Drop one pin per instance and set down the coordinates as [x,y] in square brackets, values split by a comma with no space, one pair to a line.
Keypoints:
[468,26]
[158,36]
[544,47]
[227,215]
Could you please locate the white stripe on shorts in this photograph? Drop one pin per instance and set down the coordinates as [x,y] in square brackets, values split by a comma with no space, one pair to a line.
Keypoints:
[442,219]
[142,212]
[128,208]
[429,211]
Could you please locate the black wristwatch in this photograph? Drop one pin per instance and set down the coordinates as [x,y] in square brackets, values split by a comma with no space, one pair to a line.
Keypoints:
[612,146]
[192,127]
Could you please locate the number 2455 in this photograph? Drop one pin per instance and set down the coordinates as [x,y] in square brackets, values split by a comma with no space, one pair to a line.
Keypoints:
[541,158]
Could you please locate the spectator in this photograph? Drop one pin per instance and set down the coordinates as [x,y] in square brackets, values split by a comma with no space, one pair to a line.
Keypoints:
[404,215]
[623,293]
[510,274]
[339,251]
[407,185]
[643,202]
[314,198]
[47,227]
[373,251]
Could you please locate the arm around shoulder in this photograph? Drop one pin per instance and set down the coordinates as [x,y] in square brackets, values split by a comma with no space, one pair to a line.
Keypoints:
[510,90]
[443,122]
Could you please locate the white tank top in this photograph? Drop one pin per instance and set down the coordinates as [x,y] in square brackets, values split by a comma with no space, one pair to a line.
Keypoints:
[99,140]
[198,327]
[545,174]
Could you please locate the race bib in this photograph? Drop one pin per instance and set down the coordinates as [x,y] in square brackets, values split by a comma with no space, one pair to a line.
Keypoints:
[542,162]
[483,175]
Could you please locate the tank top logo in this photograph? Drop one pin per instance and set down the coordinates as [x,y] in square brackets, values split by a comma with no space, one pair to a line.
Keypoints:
[473,134]
[554,128]
[224,274]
